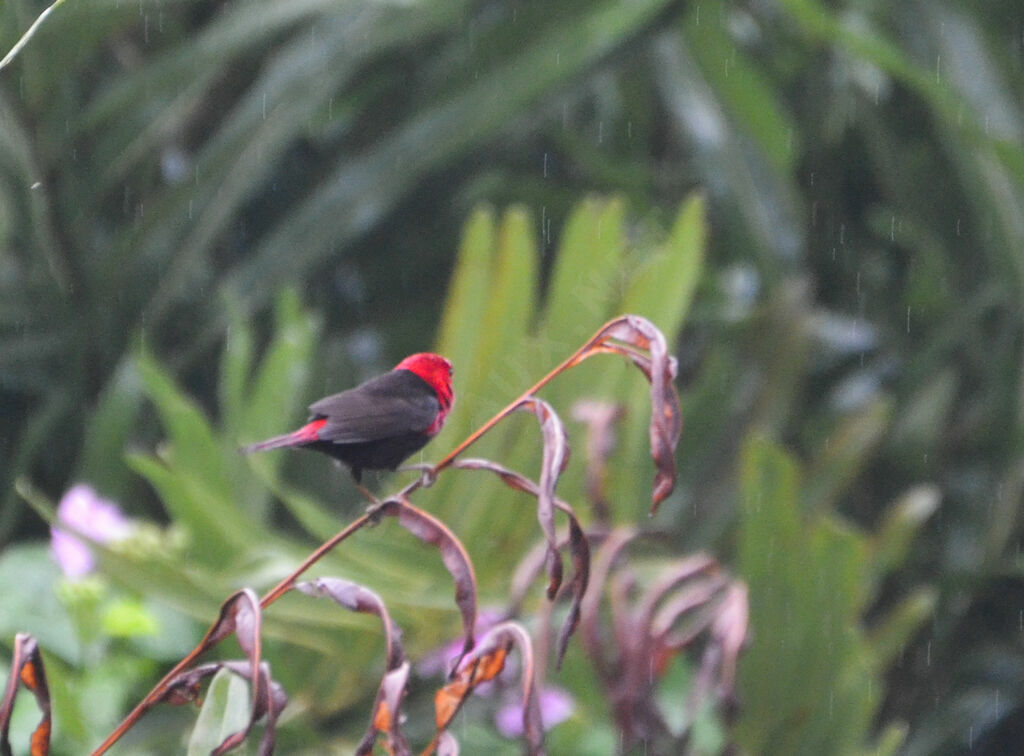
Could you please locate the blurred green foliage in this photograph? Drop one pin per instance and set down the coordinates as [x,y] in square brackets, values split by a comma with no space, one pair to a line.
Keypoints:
[165,170]
[812,679]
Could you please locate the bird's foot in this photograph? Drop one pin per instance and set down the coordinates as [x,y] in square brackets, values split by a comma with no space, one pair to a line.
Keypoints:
[426,470]
[374,513]
[374,510]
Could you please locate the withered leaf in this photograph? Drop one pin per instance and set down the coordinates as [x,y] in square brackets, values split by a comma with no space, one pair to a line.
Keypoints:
[554,458]
[638,333]
[386,717]
[358,598]
[431,530]
[579,548]
[730,630]
[27,671]
[484,663]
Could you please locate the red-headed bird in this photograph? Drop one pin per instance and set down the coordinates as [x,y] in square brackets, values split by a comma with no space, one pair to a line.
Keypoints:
[379,423]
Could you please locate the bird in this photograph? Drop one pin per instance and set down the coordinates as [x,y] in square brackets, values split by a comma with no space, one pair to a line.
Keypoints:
[378,424]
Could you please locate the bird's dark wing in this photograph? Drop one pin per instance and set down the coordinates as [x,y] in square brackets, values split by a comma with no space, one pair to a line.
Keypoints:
[389,405]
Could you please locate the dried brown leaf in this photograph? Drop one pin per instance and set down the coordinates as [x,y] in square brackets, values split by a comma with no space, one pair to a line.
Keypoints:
[358,598]
[638,333]
[504,636]
[590,618]
[484,663]
[449,699]
[431,530]
[729,631]
[689,600]
[27,671]
[678,573]
[579,549]
[269,704]
[554,459]
[600,419]
[386,714]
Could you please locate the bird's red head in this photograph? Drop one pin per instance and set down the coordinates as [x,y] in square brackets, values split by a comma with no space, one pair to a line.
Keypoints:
[437,372]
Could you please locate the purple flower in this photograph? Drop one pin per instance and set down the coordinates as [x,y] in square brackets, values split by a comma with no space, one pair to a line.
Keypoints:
[101,520]
[556,706]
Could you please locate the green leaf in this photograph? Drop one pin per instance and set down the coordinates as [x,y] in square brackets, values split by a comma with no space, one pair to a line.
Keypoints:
[461,331]
[225,711]
[127,618]
[30,602]
[283,375]
[811,680]
[898,627]
[586,282]
[743,88]
[585,275]
[108,431]
[472,110]
[662,289]
[215,526]
[901,522]
[193,444]
[848,448]
[511,306]
[235,367]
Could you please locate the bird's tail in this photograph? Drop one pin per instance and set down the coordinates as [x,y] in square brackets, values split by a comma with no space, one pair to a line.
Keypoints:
[307,434]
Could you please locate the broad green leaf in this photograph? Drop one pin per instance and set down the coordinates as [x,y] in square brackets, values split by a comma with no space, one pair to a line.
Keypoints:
[848,447]
[661,289]
[901,522]
[192,439]
[663,286]
[745,91]
[34,607]
[586,280]
[586,274]
[109,429]
[283,373]
[235,367]
[496,368]
[461,331]
[511,308]
[225,711]
[216,527]
[892,634]
[811,679]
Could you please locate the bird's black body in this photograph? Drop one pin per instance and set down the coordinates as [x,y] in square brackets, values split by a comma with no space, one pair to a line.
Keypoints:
[377,424]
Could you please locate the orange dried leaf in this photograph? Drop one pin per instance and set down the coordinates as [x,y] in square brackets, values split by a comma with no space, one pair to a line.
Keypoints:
[28,676]
[579,548]
[382,717]
[41,739]
[447,701]
[27,670]
[490,666]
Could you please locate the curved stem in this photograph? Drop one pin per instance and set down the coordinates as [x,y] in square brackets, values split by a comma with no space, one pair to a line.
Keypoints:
[205,644]
[591,346]
[285,585]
